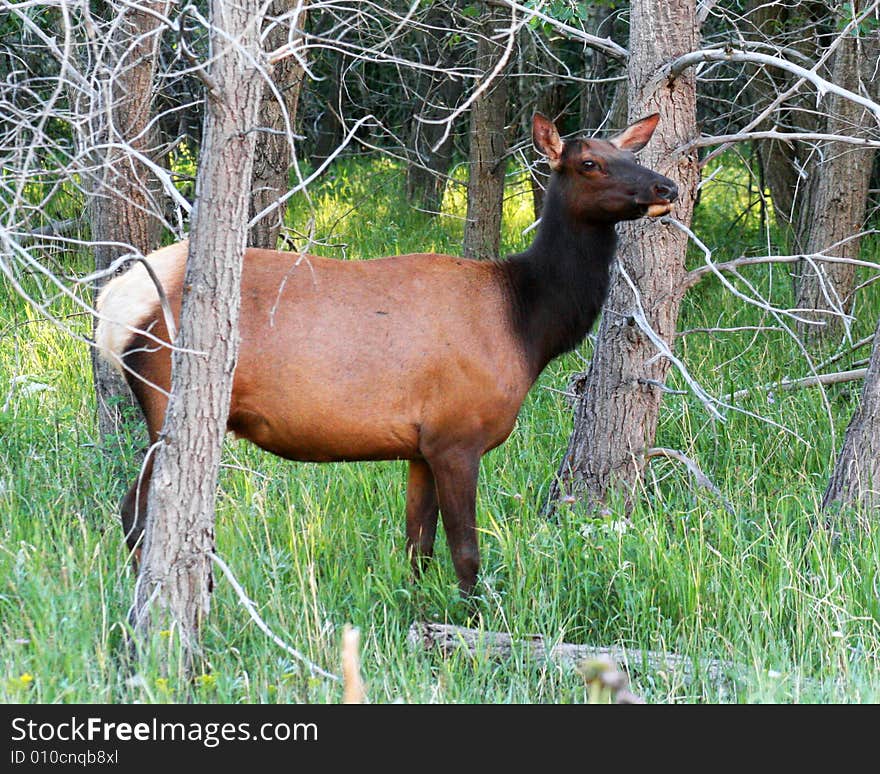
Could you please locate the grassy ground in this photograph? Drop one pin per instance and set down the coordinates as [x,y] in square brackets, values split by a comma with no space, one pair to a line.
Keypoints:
[320,545]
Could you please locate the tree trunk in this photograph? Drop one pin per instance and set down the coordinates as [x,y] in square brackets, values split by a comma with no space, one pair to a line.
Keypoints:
[273,155]
[839,195]
[597,99]
[427,170]
[855,481]
[617,410]
[778,160]
[328,127]
[123,196]
[175,581]
[488,145]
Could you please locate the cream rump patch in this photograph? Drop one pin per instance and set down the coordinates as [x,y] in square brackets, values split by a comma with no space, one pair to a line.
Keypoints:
[129,300]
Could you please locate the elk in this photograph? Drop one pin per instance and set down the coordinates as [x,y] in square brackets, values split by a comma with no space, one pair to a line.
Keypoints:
[424,357]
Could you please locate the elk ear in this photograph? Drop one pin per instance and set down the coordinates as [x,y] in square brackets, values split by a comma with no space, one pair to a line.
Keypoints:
[547,140]
[636,136]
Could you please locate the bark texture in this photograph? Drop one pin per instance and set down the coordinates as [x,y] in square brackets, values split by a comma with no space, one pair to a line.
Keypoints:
[273,154]
[124,193]
[488,145]
[175,581]
[616,413]
[855,480]
[839,194]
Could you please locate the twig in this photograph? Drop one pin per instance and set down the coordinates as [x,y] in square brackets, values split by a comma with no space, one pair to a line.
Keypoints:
[314,669]
[766,306]
[701,478]
[605,45]
[734,329]
[701,272]
[823,86]
[164,303]
[661,386]
[772,134]
[806,381]
[638,314]
[53,228]
[840,355]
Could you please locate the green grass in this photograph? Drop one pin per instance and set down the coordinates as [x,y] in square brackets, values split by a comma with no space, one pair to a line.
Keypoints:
[316,546]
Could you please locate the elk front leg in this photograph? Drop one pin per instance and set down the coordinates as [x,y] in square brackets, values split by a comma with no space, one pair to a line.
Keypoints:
[455,473]
[421,515]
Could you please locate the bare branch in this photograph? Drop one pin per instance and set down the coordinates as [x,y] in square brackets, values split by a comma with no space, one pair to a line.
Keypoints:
[605,45]
[313,668]
[819,380]
[701,272]
[638,314]
[701,478]
[772,134]
[823,86]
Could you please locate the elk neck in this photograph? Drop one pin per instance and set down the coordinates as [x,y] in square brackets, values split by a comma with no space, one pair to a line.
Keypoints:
[556,287]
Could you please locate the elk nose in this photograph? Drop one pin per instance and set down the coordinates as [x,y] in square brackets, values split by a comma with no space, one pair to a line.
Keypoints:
[667,191]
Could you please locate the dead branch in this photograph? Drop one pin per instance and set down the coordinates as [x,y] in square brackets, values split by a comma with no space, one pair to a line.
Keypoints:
[449,639]
[822,85]
[251,608]
[733,329]
[701,478]
[605,45]
[52,229]
[807,381]
[701,272]
[849,350]
[663,350]
[771,134]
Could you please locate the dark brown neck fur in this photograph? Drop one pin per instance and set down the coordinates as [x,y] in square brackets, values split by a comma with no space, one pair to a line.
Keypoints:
[556,288]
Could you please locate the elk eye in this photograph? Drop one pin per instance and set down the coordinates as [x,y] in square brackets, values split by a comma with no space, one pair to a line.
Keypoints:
[589,164]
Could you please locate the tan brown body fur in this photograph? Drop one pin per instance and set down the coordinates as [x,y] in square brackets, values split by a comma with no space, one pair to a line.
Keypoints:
[357,360]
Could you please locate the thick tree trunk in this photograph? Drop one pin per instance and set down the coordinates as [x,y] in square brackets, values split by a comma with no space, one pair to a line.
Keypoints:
[124,196]
[175,581]
[855,481]
[839,194]
[488,145]
[273,155]
[617,410]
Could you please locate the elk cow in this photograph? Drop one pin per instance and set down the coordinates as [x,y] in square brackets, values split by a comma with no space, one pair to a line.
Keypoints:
[425,357]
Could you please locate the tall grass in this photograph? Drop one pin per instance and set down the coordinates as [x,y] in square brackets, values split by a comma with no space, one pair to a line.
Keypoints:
[765,586]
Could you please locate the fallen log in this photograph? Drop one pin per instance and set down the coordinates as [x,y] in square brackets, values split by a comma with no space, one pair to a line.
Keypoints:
[449,639]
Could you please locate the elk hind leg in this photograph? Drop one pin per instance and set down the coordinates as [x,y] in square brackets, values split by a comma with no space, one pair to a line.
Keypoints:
[421,515]
[134,510]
